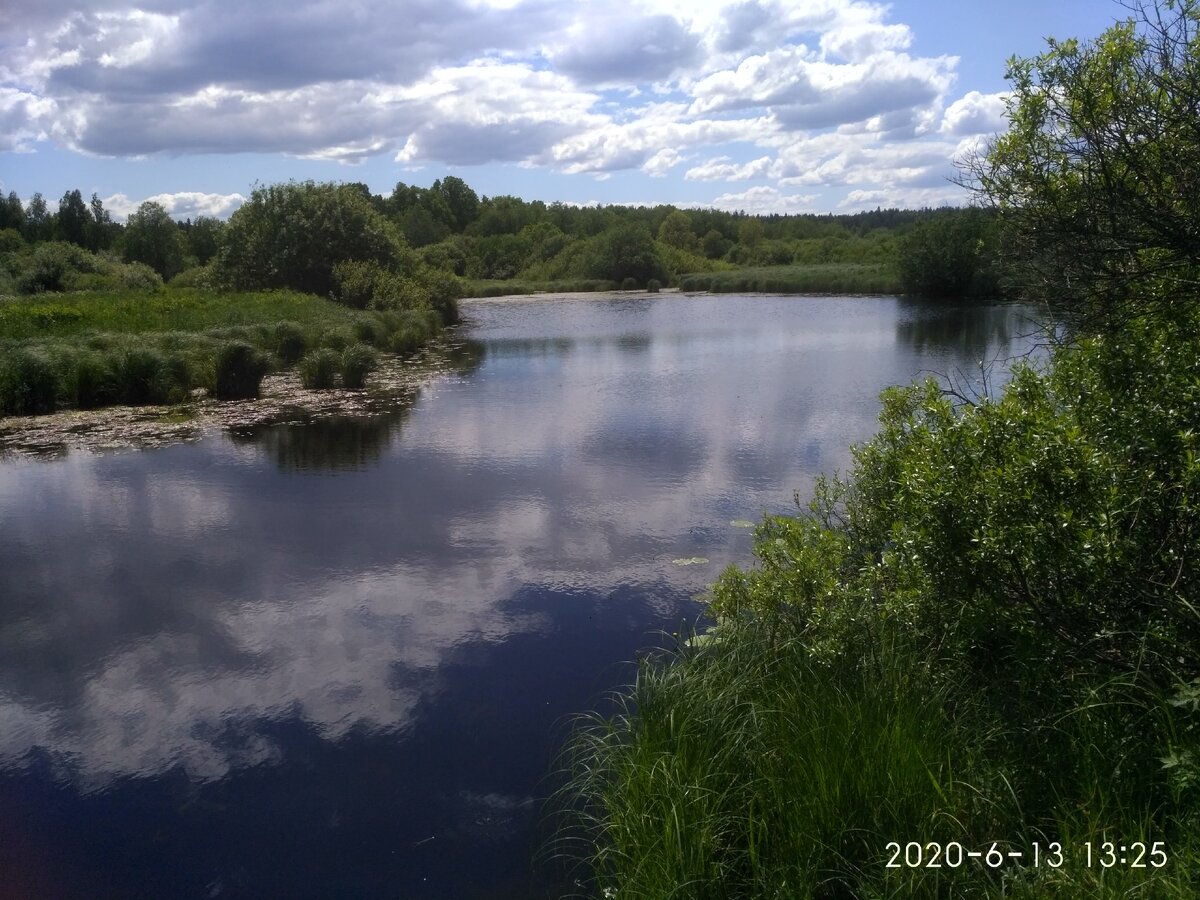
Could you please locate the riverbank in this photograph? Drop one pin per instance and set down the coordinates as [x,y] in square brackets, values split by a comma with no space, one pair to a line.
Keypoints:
[282,399]
[983,640]
[91,350]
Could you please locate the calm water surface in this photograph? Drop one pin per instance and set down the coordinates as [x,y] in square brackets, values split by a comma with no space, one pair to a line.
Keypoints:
[334,659]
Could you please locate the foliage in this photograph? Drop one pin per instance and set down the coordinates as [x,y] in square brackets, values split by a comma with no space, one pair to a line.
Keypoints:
[319,369]
[239,371]
[1095,178]
[358,361]
[627,251]
[293,235]
[28,383]
[151,237]
[949,256]
[289,342]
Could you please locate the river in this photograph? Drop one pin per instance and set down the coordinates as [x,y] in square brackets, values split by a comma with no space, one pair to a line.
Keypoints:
[336,658]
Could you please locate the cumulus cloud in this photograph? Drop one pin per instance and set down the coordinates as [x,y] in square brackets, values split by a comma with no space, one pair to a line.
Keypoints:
[471,82]
[975,113]
[24,118]
[180,205]
[764,200]
[722,168]
[627,50]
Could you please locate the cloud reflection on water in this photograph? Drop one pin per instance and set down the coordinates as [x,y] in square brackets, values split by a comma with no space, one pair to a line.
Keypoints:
[160,606]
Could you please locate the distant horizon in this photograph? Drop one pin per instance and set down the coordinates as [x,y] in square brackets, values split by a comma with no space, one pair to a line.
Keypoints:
[823,107]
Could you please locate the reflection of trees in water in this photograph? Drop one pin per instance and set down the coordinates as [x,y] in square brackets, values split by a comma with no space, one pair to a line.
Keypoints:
[967,333]
[327,442]
[352,442]
[464,355]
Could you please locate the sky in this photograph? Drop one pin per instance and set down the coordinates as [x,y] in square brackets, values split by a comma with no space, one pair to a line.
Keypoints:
[766,106]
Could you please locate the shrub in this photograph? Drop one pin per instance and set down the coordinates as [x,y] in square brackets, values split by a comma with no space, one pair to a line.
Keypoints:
[137,276]
[290,342]
[28,383]
[318,370]
[338,338]
[653,286]
[173,381]
[240,369]
[201,277]
[136,372]
[358,361]
[92,380]
[629,284]
[413,330]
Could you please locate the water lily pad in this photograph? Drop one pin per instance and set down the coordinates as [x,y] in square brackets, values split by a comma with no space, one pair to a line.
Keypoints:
[691,561]
[742,523]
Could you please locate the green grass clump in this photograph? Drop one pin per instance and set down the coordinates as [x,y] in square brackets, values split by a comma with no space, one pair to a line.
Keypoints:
[92,382]
[240,369]
[319,369]
[749,769]
[28,383]
[358,361]
[289,342]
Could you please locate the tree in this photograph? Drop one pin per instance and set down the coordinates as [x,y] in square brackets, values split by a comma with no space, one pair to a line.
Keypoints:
[153,238]
[73,218]
[38,222]
[676,231]
[12,213]
[461,202]
[949,255]
[627,251]
[1098,177]
[203,237]
[750,232]
[102,229]
[292,235]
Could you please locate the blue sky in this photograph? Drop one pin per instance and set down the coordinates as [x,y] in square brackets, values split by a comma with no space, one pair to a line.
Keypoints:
[761,105]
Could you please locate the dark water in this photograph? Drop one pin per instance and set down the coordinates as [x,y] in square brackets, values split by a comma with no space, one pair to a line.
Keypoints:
[335,659]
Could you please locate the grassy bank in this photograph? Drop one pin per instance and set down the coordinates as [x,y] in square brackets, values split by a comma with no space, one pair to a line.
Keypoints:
[987,634]
[514,286]
[821,278]
[95,349]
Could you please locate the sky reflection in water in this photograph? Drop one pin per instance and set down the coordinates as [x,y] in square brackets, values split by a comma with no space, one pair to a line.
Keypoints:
[334,658]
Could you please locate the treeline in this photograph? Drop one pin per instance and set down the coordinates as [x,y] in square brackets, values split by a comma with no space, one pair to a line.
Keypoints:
[497,244]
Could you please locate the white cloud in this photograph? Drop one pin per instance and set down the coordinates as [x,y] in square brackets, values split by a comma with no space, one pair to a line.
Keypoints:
[904,198]
[24,118]
[764,201]
[819,88]
[662,162]
[180,205]
[975,113]
[722,168]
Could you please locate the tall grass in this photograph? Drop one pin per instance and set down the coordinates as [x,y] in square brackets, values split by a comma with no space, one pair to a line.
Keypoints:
[738,773]
[94,350]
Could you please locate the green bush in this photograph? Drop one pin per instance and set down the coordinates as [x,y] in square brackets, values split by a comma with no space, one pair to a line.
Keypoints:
[200,277]
[290,342]
[137,371]
[653,286]
[240,369]
[319,369]
[28,383]
[629,284]
[93,381]
[358,361]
